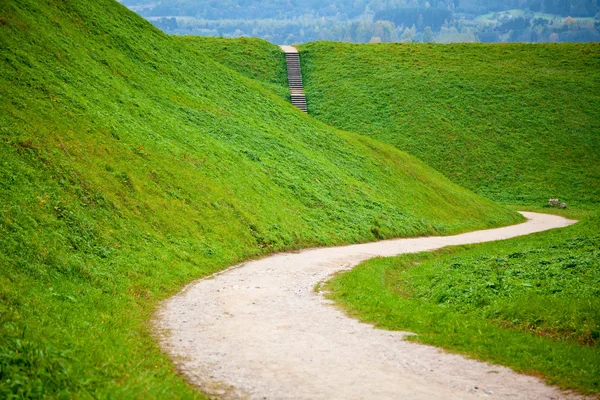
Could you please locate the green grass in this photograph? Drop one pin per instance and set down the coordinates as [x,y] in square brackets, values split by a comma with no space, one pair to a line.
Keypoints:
[132,163]
[254,58]
[530,303]
[517,123]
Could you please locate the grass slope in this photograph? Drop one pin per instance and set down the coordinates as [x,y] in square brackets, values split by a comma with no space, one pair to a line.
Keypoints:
[529,303]
[254,58]
[131,163]
[518,123]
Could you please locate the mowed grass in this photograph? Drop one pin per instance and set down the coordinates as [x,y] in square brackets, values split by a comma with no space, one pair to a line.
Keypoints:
[530,303]
[517,123]
[132,163]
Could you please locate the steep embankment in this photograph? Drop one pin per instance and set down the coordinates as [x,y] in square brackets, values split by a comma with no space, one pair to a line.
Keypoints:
[132,163]
[517,123]
[253,58]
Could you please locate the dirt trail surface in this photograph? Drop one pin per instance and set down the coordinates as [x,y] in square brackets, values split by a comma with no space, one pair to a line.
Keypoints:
[259,330]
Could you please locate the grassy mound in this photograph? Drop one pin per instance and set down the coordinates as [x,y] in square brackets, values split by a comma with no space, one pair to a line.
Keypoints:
[517,123]
[131,163]
[253,58]
[530,303]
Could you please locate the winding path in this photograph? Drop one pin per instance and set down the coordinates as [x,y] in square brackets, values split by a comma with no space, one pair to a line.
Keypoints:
[258,330]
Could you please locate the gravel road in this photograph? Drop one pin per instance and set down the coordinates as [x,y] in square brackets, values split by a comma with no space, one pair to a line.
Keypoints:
[259,330]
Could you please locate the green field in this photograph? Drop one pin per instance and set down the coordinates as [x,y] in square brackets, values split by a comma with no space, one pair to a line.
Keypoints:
[517,123]
[529,303]
[131,163]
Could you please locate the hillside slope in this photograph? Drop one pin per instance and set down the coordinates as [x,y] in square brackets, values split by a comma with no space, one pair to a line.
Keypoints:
[517,123]
[132,163]
[254,58]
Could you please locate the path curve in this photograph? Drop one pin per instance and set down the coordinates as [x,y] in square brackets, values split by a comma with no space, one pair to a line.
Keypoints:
[258,330]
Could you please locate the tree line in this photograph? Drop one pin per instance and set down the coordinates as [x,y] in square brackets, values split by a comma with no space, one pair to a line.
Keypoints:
[361,21]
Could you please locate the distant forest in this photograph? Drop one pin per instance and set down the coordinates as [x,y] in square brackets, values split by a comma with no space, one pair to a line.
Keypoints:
[361,21]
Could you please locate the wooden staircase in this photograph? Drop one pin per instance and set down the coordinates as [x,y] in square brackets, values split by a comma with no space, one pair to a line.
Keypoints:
[292,59]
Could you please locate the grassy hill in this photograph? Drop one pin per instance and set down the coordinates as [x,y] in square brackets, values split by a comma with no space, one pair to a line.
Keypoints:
[254,58]
[131,163]
[517,123]
[529,303]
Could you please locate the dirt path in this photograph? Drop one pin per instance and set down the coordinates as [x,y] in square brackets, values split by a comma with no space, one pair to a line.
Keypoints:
[259,330]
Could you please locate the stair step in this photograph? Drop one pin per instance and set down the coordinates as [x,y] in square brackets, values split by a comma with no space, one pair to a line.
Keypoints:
[294,70]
